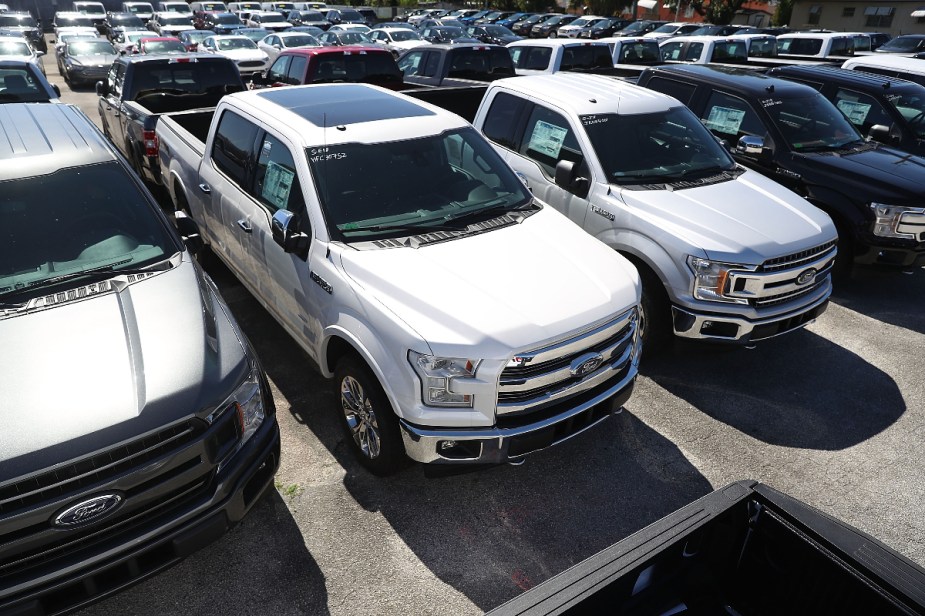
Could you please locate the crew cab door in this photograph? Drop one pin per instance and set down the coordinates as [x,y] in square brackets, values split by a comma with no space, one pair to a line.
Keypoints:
[533,139]
[110,105]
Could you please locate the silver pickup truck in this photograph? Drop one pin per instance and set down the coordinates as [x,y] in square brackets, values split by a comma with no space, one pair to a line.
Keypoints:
[725,254]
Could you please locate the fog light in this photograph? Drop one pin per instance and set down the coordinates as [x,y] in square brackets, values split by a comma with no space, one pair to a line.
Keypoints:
[447,444]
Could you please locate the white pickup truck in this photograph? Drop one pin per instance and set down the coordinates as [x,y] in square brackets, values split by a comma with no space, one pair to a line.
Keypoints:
[725,254]
[463,320]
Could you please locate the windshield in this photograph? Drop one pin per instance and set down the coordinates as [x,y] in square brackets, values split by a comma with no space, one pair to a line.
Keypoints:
[901,44]
[65,22]
[636,26]
[353,38]
[669,144]
[14,48]
[350,15]
[134,37]
[16,21]
[164,47]
[226,19]
[254,35]
[140,8]
[405,35]
[104,221]
[19,85]
[450,32]
[667,28]
[175,20]
[90,8]
[236,43]
[422,183]
[912,108]
[90,48]
[812,123]
[494,30]
[301,40]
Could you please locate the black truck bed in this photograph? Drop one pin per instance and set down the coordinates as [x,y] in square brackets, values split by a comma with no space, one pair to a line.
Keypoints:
[745,549]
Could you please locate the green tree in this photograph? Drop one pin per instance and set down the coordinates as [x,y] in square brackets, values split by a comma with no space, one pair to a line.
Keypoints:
[719,12]
[783,13]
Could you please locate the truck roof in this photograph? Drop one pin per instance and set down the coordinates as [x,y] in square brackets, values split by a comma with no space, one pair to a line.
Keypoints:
[589,94]
[843,76]
[171,58]
[553,43]
[43,138]
[739,79]
[345,112]
[340,50]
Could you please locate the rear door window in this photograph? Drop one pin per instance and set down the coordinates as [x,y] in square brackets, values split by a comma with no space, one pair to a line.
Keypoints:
[233,145]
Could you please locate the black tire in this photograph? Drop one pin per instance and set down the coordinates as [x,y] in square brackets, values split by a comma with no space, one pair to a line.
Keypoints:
[657,328]
[369,423]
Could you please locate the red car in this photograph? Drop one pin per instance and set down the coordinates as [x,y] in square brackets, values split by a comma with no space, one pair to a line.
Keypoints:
[160,44]
[353,63]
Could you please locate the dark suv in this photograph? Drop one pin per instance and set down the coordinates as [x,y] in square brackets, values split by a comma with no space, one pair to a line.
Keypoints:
[138,425]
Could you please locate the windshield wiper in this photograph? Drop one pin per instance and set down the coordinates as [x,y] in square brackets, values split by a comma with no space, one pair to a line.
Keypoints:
[493,208]
[101,273]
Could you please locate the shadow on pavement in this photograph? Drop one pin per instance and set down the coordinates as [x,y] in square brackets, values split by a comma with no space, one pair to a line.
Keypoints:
[494,532]
[821,396]
[887,295]
[259,567]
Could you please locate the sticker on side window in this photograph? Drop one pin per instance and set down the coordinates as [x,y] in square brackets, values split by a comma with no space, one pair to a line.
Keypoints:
[854,111]
[547,139]
[725,120]
[276,185]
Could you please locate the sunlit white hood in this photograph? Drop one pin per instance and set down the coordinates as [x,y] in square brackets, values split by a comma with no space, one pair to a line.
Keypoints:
[482,293]
[746,220]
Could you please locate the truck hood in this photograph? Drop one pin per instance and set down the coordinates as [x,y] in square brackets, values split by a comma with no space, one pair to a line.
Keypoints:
[500,291]
[880,173]
[747,220]
[242,55]
[86,374]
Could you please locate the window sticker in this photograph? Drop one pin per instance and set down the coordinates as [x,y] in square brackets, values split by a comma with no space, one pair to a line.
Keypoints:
[855,112]
[725,120]
[276,185]
[547,139]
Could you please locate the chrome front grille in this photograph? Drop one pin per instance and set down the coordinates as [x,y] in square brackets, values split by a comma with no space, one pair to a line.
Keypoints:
[783,279]
[534,380]
[796,259]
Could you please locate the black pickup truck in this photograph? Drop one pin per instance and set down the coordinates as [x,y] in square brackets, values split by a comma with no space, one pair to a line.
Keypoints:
[448,65]
[789,132]
[138,89]
[745,550]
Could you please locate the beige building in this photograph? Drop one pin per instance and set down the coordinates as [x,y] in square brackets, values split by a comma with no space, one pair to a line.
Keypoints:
[894,17]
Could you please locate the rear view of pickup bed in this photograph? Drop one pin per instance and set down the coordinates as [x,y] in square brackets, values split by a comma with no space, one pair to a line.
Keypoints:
[745,549]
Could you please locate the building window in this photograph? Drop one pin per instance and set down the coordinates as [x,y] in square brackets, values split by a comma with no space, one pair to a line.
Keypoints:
[879,16]
[848,11]
[815,11]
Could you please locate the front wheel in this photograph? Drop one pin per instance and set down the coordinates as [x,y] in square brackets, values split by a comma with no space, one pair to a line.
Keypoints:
[367,418]
[656,326]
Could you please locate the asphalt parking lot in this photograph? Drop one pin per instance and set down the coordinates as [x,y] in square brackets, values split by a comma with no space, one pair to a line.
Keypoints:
[833,414]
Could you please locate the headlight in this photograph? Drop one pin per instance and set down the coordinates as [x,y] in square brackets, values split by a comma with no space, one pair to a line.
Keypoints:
[888,218]
[247,401]
[711,279]
[438,375]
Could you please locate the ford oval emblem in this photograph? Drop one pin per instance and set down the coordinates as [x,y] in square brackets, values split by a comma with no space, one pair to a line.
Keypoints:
[586,365]
[88,510]
[807,277]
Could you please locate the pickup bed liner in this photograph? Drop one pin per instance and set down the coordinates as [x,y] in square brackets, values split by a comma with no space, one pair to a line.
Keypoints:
[744,549]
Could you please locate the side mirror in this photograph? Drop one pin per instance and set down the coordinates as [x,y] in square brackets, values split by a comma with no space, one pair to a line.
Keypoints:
[751,146]
[39,54]
[885,134]
[567,177]
[101,88]
[283,226]
[189,231]
[57,90]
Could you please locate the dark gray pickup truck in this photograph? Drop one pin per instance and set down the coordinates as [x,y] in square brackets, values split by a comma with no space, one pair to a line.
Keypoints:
[138,89]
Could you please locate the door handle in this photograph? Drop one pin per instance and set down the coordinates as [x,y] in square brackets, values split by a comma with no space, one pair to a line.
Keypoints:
[205,188]
[245,225]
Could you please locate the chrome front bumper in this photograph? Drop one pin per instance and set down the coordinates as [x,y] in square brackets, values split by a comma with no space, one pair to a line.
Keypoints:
[739,330]
[498,444]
